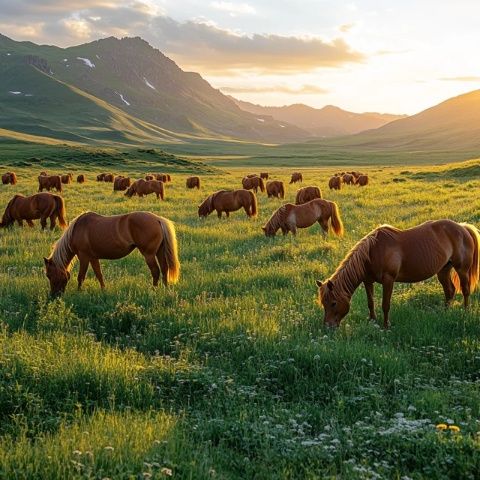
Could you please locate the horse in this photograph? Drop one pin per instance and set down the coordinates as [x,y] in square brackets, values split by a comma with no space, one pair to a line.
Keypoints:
[362,180]
[149,177]
[275,188]
[108,177]
[296,177]
[48,182]
[9,178]
[335,182]
[44,173]
[92,237]
[121,183]
[143,187]
[306,194]
[38,206]
[264,175]
[348,179]
[193,182]
[229,201]
[253,183]
[66,178]
[101,177]
[387,255]
[289,217]
[81,178]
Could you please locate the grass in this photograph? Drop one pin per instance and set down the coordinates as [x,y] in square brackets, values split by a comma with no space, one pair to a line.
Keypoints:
[231,374]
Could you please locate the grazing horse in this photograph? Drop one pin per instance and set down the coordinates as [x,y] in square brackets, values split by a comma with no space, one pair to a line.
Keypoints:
[275,188]
[101,177]
[253,183]
[92,237]
[348,179]
[387,255]
[296,177]
[149,177]
[9,178]
[335,183]
[289,217]
[48,182]
[38,206]
[362,180]
[121,183]
[81,178]
[108,177]
[306,194]
[145,187]
[264,175]
[193,182]
[66,178]
[229,201]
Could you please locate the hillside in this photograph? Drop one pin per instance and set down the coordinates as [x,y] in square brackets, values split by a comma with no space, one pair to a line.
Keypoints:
[328,121]
[123,91]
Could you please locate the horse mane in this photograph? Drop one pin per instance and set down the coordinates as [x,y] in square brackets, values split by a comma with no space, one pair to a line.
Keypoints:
[278,217]
[7,216]
[62,255]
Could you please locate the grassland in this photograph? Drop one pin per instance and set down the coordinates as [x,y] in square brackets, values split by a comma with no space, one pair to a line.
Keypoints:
[231,374]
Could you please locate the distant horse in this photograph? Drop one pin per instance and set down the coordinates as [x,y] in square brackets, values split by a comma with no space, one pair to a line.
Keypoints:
[109,177]
[306,194]
[121,183]
[296,177]
[289,217]
[38,206]
[143,187]
[44,173]
[48,182]
[149,177]
[348,179]
[251,175]
[275,188]
[101,177]
[229,201]
[9,178]
[362,180]
[264,175]
[387,255]
[81,178]
[193,182]
[92,237]
[335,183]
[253,183]
[66,178]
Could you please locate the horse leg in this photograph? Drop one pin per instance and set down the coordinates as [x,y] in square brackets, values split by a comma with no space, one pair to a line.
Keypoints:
[371,304]
[152,263]
[30,223]
[227,213]
[219,213]
[43,222]
[82,272]
[387,284]
[98,271]
[53,219]
[465,286]
[20,223]
[446,280]
[163,267]
[324,228]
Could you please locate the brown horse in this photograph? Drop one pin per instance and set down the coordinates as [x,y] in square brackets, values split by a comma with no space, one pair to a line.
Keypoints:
[193,182]
[335,183]
[296,177]
[306,194]
[9,178]
[143,187]
[348,179]
[44,173]
[229,201]
[92,237]
[66,178]
[289,217]
[121,183]
[253,183]
[387,255]
[48,182]
[81,178]
[362,180]
[101,177]
[108,177]
[39,206]
[275,188]
[264,175]
[149,177]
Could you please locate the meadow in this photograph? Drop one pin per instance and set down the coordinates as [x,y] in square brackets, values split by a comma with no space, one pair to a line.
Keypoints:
[230,374]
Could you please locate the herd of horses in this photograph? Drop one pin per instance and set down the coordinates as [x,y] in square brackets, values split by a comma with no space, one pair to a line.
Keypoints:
[386,255]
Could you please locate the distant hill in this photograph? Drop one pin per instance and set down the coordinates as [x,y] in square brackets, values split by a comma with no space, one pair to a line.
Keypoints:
[328,121]
[121,91]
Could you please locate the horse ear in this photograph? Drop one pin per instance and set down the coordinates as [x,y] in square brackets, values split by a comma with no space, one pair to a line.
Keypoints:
[330,285]
[319,283]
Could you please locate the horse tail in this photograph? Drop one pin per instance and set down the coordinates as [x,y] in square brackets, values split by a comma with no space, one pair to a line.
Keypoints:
[253,205]
[319,192]
[198,183]
[335,219]
[297,197]
[169,250]
[60,211]
[162,191]
[59,184]
[262,184]
[282,190]
[474,270]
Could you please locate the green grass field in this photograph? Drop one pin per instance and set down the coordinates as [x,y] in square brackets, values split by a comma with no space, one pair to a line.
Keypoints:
[230,374]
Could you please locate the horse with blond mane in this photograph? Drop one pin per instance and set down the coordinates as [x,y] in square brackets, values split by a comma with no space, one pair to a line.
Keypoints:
[92,237]
[289,217]
[387,255]
[306,194]
[253,183]
[229,201]
[38,206]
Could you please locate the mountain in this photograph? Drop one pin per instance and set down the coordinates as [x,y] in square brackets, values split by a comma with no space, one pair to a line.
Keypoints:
[328,121]
[114,90]
[451,125]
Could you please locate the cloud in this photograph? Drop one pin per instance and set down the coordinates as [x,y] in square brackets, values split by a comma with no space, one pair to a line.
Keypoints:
[346,27]
[303,90]
[471,78]
[233,8]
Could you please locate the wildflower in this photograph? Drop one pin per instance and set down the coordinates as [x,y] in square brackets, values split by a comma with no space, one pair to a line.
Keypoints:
[166,471]
[442,426]
[109,448]
[454,428]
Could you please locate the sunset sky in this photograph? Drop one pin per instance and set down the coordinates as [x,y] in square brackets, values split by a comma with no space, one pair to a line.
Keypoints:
[368,55]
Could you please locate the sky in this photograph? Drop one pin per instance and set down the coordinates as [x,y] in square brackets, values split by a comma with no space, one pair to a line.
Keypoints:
[394,56]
